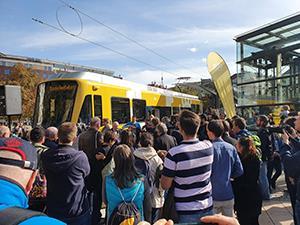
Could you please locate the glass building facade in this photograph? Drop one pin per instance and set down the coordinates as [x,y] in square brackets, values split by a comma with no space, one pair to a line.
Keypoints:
[268,67]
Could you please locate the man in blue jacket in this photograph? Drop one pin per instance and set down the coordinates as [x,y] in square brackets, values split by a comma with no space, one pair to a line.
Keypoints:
[226,166]
[18,163]
[290,157]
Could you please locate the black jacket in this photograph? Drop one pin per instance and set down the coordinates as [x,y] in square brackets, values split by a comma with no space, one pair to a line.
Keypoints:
[266,144]
[50,144]
[247,194]
[90,142]
[65,169]
[177,135]
[164,142]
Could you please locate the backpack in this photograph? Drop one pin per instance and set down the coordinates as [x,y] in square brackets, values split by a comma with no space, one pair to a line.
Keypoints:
[16,215]
[126,213]
[143,166]
[257,144]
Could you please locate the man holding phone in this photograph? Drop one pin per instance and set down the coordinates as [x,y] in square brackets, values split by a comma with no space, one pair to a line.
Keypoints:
[290,155]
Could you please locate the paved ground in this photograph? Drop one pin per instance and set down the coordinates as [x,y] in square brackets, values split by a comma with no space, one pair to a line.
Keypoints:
[278,210]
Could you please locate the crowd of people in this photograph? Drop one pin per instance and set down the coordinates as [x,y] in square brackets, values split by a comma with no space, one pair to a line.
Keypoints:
[183,168]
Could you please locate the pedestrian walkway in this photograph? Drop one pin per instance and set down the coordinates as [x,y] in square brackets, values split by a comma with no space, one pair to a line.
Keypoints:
[278,210]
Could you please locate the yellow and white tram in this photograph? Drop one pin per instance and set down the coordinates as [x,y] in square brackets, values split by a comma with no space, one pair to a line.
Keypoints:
[79,96]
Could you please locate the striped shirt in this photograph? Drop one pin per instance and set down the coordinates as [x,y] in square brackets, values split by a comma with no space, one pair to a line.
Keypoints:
[190,165]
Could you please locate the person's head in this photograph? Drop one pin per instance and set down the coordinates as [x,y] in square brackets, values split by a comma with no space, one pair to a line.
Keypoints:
[285,107]
[215,129]
[37,135]
[95,123]
[115,125]
[161,129]
[151,116]
[51,133]
[262,121]
[290,121]
[67,133]
[226,126]
[238,124]
[189,123]
[125,172]
[106,122]
[146,140]
[165,120]
[4,132]
[109,137]
[133,119]
[127,138]
[155,121]
[246,147]
[21,169]
[297,124]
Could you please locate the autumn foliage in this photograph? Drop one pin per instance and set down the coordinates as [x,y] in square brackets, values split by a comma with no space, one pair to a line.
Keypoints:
[28,80]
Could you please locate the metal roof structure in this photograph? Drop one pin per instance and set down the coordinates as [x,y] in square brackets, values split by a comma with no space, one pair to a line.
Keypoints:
[281,36]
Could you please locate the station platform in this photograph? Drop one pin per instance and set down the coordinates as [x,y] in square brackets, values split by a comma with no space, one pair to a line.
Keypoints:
[278,210]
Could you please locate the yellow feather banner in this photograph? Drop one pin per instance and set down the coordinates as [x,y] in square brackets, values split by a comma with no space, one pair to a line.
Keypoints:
[221,77]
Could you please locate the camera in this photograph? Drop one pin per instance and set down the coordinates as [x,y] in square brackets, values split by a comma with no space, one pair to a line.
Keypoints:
[281,129]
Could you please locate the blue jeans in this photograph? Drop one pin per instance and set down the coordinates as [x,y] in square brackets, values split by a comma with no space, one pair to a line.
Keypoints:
[263,181]
[194,218]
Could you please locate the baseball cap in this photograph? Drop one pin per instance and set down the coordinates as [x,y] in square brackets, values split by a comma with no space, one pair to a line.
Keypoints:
[21,147]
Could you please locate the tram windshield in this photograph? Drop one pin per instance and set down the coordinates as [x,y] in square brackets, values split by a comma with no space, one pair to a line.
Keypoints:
[54,103]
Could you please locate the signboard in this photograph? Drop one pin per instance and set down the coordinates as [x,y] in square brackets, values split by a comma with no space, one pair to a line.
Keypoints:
[10,100]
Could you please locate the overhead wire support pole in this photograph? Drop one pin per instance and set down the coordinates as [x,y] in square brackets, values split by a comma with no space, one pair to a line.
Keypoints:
[126,37]
[102,46]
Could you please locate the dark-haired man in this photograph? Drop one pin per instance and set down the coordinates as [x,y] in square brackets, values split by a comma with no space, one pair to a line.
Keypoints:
[290,157]
[66,169]
[239,128]
[89,142]
[37,138]
[266,150]
[189,167]
[226,166]
[202,129]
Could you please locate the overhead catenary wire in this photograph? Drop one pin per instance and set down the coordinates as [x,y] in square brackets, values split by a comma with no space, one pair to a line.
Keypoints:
[102,46]
[126,37]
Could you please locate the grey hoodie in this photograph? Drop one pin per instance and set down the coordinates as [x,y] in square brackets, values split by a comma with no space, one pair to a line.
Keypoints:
[149,153]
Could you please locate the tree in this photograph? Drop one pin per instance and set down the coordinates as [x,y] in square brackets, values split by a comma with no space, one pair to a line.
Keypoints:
[28,80]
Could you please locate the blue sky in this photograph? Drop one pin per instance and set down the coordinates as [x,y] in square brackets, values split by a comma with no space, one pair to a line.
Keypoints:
[183,31]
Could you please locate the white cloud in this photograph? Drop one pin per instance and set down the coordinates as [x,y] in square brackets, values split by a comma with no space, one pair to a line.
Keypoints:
[49,38]
[193,49]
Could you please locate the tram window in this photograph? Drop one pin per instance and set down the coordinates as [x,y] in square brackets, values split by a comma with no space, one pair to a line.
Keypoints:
[164,111]
[195,108]
[139,109]
[86,110]
[120,109]
[175,110]
[98,106]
